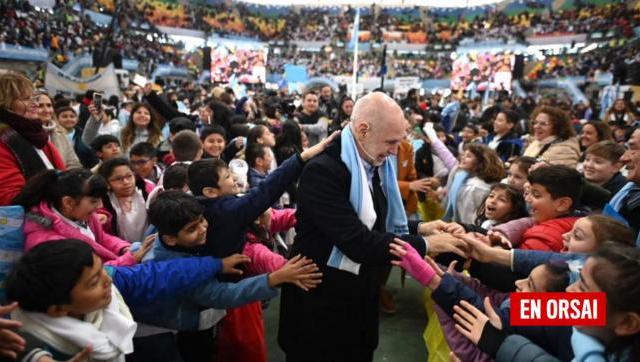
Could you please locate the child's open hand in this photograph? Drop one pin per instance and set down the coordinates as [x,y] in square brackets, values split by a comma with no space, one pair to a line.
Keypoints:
[298,268]
[438,269]
[454,228]
[147,244]
[421,185]
[478,249]
[497,238]
[306,284]
[470,321]
[10,342]
[229,263]
[412,262]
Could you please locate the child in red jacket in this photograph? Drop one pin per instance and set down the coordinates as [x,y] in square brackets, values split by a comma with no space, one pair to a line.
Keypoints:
[551,198]
[553,193]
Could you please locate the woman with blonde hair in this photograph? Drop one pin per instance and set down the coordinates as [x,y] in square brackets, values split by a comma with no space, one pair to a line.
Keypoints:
[57,134]
[25,149]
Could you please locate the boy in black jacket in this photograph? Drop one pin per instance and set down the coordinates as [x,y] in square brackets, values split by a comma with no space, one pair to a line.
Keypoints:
[230,216]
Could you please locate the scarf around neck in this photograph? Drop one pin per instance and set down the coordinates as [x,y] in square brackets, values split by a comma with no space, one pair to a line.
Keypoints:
[30,129]
[361,198]
[109,331]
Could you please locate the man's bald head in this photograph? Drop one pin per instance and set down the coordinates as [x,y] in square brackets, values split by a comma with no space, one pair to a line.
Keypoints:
[376,108]
[379,126]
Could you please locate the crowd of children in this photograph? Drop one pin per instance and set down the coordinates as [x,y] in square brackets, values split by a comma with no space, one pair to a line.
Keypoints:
[149,246]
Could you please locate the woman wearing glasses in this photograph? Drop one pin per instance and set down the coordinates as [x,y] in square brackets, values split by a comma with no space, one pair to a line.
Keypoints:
[554,138]
[25,149]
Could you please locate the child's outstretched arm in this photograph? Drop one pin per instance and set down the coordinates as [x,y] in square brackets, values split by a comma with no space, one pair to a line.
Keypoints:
[263,260]
[448,159]
[520,261]
[154,280]
[258,200]
[480,250]
[282,220]
[413,263]
[222,295]
[299,271]
[514,229]
[447,290]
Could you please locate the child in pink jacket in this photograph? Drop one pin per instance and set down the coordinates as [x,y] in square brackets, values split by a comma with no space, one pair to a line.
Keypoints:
[61,205]
[242,335]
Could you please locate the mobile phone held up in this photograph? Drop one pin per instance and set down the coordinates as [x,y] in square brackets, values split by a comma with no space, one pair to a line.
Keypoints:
[97,100]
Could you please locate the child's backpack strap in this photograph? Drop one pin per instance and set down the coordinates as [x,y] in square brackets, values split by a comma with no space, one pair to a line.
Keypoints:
[11,242]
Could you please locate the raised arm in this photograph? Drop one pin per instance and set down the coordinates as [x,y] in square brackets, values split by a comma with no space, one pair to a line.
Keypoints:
[165,110]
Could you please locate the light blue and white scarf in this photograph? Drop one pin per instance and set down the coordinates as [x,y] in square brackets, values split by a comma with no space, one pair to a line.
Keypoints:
[616,203]
[362,201]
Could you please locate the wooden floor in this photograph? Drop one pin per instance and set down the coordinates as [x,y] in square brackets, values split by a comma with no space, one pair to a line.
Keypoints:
[400,334]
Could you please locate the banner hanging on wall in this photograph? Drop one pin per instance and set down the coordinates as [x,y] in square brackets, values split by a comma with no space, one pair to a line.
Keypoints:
[58,81]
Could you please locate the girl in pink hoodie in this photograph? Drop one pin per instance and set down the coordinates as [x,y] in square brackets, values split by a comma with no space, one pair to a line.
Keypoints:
[61,205]
[241,336]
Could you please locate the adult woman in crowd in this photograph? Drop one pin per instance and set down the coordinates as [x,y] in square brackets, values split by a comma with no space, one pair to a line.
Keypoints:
[289,142]
[593,132]
[619,113]
[57,134]
[25,149]
[273,115]
[344,114]
[143,126]
[554,138]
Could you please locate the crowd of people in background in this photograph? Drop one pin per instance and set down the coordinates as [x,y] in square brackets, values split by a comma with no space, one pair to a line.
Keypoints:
[114,178]
[340,63]
[67,32]
[326,24]
[157,224]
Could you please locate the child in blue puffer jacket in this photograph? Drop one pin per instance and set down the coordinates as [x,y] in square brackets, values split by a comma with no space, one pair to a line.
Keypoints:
[69,301]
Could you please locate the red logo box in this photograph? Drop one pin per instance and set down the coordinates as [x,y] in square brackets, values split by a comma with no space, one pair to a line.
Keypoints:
[558,309]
